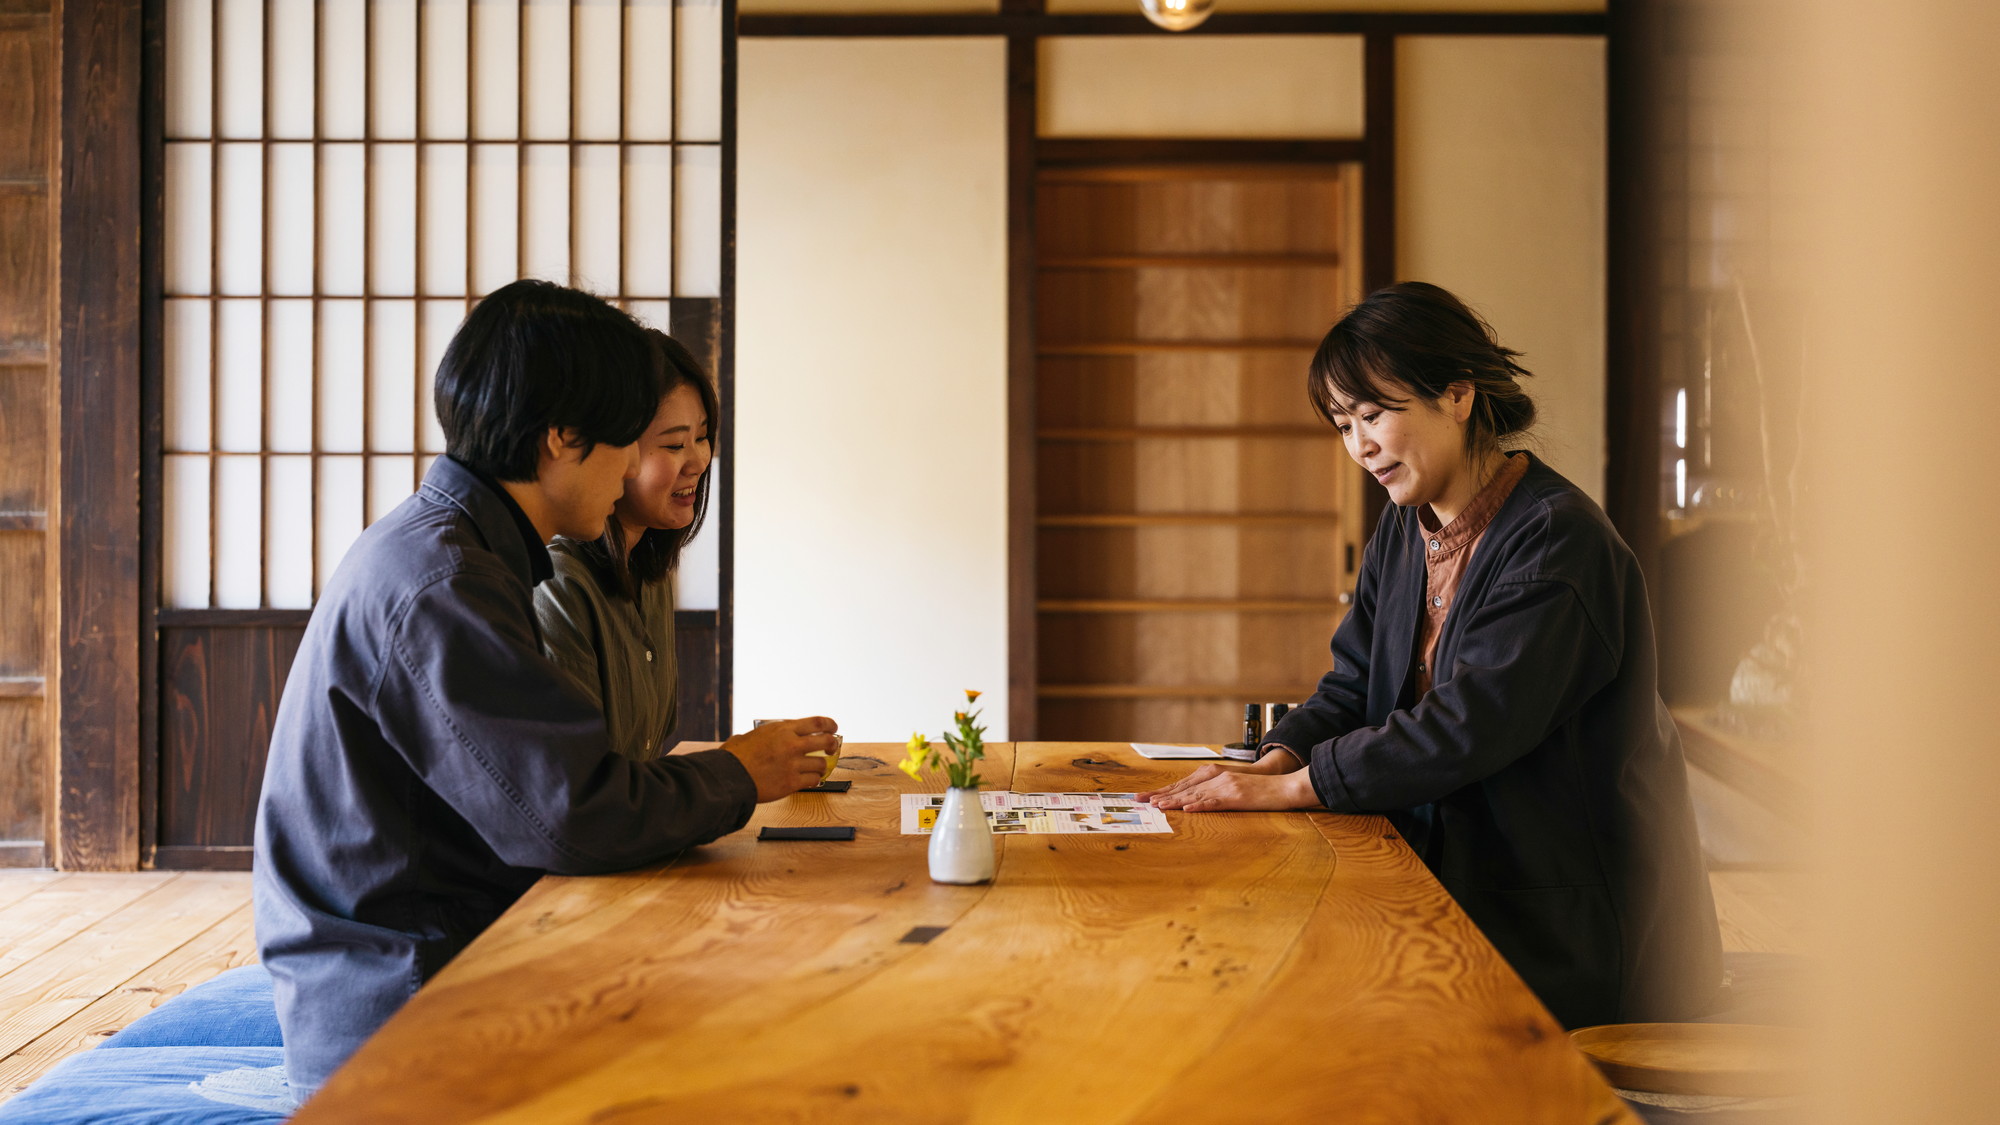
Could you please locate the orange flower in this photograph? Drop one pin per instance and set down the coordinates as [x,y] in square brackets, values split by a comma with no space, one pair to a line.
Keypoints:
[971,696]
[958,715]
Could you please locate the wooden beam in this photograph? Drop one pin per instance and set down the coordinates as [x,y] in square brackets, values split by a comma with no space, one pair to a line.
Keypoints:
[1081,152]
[1378,203]
[1633,405]
[1023,110]
[1012,23]
[97,608]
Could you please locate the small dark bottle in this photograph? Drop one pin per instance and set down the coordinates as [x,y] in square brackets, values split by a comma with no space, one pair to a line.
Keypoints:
[1253,733]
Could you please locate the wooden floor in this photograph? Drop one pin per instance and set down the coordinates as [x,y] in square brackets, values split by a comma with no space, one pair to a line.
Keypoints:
[83,955]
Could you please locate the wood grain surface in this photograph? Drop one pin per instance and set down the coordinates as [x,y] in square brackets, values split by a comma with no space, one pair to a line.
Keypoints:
[1305,960]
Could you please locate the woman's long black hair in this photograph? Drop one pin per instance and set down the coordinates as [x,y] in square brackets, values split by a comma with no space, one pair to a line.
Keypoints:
[659,549]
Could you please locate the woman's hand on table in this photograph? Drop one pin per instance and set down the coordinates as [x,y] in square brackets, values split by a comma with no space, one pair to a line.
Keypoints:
[1274,782]
[775,754]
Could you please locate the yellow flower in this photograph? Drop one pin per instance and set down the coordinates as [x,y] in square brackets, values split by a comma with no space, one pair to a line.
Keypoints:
[971,696]
[919,745]
[909,766]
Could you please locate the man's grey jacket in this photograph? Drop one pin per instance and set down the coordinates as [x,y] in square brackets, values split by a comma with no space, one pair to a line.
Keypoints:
[428,764]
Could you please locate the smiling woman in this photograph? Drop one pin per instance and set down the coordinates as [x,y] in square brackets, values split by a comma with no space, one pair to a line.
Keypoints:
[1493,688]
[607,616]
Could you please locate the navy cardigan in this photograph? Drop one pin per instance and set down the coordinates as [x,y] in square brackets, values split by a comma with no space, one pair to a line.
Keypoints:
[1541,777]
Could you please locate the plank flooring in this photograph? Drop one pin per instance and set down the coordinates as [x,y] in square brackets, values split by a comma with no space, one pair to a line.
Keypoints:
[81,955]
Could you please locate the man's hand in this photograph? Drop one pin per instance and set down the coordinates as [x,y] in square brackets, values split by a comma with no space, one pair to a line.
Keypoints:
[775,754]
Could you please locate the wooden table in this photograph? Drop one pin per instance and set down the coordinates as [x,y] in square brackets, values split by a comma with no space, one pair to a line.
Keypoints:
[1268,967]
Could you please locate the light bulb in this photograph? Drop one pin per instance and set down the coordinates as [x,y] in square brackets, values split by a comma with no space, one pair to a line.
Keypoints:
[1177,15]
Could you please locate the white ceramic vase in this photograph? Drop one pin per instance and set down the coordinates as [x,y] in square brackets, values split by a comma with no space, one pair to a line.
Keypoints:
[961,840]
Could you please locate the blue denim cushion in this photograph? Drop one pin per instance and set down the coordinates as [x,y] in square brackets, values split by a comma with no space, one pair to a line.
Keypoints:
[140,1086]
[233,1010]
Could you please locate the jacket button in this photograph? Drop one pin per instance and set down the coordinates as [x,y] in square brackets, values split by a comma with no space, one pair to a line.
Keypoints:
[649,656]
[1434,544]
[1434,601]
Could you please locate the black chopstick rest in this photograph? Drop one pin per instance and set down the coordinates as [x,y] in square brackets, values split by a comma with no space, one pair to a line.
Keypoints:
[812,832]
[828,787]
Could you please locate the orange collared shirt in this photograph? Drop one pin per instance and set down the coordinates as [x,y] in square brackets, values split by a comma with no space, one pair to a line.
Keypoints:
[1446,552]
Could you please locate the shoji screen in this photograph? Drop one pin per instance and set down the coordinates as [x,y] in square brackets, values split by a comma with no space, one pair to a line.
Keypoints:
[342,179]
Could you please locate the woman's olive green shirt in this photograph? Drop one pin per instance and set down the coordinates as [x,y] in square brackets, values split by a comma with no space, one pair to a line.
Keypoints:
[620,653]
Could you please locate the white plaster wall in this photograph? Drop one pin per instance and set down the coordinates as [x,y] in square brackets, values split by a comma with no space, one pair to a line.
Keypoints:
[1500,199]
[871,547]
[1202,86]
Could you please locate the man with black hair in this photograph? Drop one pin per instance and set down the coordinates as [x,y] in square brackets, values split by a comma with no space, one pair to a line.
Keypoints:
[428,762]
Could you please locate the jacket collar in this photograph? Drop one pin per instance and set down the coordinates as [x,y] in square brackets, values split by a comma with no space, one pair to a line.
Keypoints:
[505,528]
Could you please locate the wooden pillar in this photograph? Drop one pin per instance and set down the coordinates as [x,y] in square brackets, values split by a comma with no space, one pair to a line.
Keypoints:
[96,573]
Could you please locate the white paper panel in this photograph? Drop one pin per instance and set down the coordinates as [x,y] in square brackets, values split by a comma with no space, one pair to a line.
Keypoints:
[343,74]
[185,339]
[393,31]
[649,220]
[649,72]
[596,218]
[495,206]
[288,533]
[697,580]
[698,258]
[239,528]
[341,376]
[339,512]
[240,39]
[343,188]
[291,69]
[496,37]
[390,482]
[392,242]
[184,520]
[291,226]
[190,69]
[652,314]
[547,85]
[547,205]
[239,174]
[441,321]
[392,389]
[289,379]
[444,69]
[239,376]
[599,49]
[441,224]
[188,179]
[700,93]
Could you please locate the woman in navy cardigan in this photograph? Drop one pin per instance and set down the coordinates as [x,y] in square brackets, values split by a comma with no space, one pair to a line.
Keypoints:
[1493,689]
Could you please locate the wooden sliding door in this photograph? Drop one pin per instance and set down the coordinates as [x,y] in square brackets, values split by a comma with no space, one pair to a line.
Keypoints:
[1198,526]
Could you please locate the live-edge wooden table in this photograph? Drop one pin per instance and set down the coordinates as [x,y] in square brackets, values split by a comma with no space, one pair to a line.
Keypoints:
[1266,967]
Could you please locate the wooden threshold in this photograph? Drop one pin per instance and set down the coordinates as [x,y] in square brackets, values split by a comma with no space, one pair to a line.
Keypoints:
[1189,605]
[1262,693]
[1139,433]
[1188,519]
[1194,262]
[1170,347]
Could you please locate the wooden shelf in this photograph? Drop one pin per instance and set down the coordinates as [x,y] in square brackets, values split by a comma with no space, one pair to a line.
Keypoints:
[1140,433]
[1168,519]
[1190,261]
[1189,605]
[1170,347]
[1248,693]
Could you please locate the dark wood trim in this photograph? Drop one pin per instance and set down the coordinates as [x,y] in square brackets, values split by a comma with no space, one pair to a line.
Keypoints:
[152,412]
[22,687]
[1023,153]
[1074,152]
[1010,23]
[98,544]
[1632,269]
[23,853]
[204,857]
[233,618]
[1378,204]
[725,384]
[24,521]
